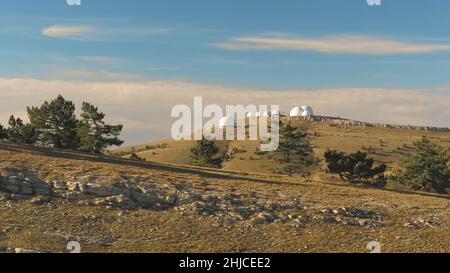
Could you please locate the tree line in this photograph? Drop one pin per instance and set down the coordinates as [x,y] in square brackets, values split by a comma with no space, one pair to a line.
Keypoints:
[54,124]
[427,169]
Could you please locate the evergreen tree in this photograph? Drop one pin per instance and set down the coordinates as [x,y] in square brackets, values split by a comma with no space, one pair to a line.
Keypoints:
[295,150]
[2,132]
[428,168]
[19,132]
[356,167]
[94,134]
[56,123]
[204,153]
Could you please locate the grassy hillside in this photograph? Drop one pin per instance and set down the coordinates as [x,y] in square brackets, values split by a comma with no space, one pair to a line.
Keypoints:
[50,197]
[385,145]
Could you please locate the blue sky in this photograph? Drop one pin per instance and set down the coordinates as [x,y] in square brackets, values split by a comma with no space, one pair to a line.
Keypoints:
[137,59]
[176,39]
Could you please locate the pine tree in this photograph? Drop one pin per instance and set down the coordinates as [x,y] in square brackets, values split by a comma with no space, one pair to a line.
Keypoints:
[56,123]
[428,168]
[94,134]
[204,153]
[2,132]
[19,132]
[355,167]
[295,150]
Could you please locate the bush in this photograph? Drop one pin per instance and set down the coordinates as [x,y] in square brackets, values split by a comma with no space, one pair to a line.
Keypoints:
[355,168]
[427,169]
[134,155]
[205,153]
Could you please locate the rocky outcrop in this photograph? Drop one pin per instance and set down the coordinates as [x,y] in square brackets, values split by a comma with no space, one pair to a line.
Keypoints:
[140,192]
[351,217]
[21,186]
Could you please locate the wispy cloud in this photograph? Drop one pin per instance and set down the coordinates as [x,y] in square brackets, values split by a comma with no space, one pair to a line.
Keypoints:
[69,32]
[89,75]
[95,33]
[160,68]
[99,59]
[342,44]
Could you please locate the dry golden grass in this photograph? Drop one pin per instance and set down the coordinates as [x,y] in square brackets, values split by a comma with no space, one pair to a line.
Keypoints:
[49,226]
[387,145]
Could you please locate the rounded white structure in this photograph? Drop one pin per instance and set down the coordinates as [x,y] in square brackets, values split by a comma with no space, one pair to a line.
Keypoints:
[303,111]
[276,113]
[250,115]
[226,122]
[266,114]
[258,114]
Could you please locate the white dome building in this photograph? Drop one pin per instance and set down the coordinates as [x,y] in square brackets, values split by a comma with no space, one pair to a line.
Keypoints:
[227,122]
[250,115]
[258,114]
[276,113]
[303,111]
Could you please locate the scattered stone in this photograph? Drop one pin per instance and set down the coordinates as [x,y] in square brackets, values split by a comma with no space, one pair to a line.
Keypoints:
[263,218]
[421,223]
[40,200]
[25,251]
[118,201]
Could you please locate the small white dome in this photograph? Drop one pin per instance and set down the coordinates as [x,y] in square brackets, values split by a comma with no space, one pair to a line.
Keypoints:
[276,113]
[266,114]
[226,122]
[250,114]
[303,111]
[258,114]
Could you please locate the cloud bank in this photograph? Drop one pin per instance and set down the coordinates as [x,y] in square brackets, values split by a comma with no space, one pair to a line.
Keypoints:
[342,44]
[144,106]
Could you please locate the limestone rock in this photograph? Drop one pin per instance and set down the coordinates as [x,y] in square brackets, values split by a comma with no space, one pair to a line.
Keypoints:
[25,251]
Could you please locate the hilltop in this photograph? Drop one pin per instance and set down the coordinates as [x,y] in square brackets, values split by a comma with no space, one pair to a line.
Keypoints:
[386,143]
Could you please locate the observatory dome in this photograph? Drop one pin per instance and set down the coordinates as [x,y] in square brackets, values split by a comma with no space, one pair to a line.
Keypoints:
[303,111]
[226,122]
[266,114]
[276,113]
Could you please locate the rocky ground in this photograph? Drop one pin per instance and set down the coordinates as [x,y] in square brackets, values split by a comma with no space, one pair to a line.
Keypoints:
[49,198]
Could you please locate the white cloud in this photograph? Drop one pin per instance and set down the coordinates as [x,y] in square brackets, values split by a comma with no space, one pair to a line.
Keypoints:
[343,44]
[144,106]
[93,33]
[71,32]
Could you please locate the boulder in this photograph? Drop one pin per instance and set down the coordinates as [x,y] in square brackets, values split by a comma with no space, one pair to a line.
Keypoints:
[42,188]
